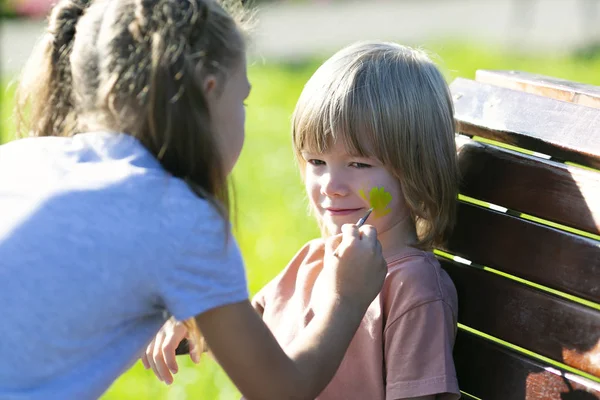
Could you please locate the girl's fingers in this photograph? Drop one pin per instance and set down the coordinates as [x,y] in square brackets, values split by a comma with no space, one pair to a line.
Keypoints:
[160,366]
[194,351]
[149,359]
[145,362]
[172,340]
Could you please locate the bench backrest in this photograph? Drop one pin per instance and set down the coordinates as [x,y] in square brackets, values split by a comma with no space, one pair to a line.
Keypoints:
[525,254]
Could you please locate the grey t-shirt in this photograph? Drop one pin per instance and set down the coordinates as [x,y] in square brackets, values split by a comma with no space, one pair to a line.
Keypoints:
[99,245]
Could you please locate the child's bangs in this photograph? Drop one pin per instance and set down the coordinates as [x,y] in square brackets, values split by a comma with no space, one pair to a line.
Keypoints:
[338,117]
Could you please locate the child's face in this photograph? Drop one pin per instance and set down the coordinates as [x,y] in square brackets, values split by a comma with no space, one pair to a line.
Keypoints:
[333,181]
[225,99]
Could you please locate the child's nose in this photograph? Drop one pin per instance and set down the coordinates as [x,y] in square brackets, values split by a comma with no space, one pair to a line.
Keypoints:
[334,183]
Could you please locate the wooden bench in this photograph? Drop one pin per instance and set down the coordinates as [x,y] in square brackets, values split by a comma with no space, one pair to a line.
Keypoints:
[525,254]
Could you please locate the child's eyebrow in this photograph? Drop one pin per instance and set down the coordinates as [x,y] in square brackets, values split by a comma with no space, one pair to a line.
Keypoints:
[356,154]
[353,150]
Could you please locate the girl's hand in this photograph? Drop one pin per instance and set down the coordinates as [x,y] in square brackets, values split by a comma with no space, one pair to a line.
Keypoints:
[354,268]
[160,353]
[250,354]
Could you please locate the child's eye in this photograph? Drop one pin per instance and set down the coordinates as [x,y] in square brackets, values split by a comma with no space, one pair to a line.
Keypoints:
[316,162]
[359,165]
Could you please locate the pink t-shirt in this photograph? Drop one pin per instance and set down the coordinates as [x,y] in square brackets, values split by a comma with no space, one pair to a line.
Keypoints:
[403,347]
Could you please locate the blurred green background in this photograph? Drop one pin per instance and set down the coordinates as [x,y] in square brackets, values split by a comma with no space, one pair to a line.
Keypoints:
[272,221]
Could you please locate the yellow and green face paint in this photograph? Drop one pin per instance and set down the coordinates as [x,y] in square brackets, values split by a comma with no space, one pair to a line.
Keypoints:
[378,199]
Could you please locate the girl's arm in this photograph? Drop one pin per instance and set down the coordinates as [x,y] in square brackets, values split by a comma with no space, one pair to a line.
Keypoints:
[248,351]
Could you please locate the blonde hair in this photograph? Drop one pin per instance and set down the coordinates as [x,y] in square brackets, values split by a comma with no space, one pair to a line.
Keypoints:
[390,102]
[137,66]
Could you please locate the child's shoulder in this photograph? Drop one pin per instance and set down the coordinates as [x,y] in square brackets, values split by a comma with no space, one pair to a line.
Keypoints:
[413,262]
[313,249]
[417,277]
[310,255]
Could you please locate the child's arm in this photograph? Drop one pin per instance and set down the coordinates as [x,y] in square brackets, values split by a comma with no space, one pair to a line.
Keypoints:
[418,354]
[421,307]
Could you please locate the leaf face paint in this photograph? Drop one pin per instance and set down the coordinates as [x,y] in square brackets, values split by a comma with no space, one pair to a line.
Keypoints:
[378,199]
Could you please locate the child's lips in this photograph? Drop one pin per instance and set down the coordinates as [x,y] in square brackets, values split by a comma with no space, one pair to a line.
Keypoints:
[342,211]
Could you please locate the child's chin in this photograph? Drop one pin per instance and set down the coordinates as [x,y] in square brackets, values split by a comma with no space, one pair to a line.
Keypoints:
[334,229]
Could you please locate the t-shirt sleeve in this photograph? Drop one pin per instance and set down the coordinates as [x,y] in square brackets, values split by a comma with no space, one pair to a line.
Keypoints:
[418,353]
[207,272]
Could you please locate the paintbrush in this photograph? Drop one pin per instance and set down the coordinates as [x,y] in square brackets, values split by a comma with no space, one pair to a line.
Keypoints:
[360,223]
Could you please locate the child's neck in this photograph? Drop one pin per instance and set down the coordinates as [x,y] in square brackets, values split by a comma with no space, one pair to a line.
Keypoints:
[398,238]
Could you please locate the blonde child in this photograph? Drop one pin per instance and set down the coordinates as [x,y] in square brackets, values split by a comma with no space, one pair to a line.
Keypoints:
[375,115]
[113,217]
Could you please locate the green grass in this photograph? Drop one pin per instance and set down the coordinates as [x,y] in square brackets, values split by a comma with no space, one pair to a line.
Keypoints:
[7,91]
[271,219]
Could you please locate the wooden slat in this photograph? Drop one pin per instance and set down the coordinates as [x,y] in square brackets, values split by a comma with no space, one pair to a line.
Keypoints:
[532,251]
[183,348]
[546,189]
[548,325]
[563,130]
[493,372]
[559,89]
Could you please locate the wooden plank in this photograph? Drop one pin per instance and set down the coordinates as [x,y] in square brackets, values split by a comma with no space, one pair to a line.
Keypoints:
[559,89]
[548,325]
[493,372]
[183,348]
[532,251]
[562,130]
[546,189]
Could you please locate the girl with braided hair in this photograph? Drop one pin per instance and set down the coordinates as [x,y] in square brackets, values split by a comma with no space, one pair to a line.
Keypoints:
[114,210]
